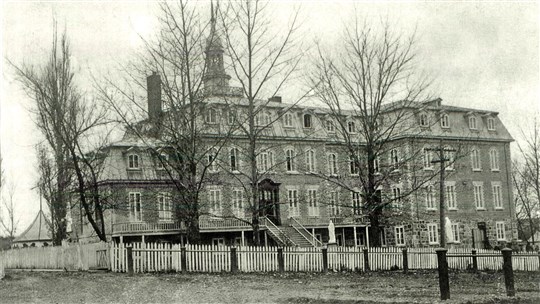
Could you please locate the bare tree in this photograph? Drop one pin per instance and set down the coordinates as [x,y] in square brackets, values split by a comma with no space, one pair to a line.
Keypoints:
[372,89]
[526,180]
[8,222]
[263,62]
[68,123]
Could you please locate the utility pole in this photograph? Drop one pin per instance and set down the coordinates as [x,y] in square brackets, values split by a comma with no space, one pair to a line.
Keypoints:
[442,215]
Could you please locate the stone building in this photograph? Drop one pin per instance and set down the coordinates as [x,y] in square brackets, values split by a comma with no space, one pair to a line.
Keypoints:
[302,160]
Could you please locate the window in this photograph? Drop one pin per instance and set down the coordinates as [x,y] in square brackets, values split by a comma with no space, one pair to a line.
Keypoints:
[262,119]
[472,123]
[501,231]
[399,232]
[288,120]
[335,209]
[428,157]
[212,161]
[382,234]
[494,159]
[289,160]
[313,208]
[135,206]
[394,158]
[491,124]
[233,158]
[475,159]
[214,202]
[307,121]
[497,195]
[162,160]
[444,121]
[332,164]
[356,203]
[424,120]
[430,198]
[479,195]
[351,127]
[396,198]
[450,158]
[433,236]
[133,161]
[238,203]
[164,206]
[451,202]
[376,164]
[231,118]
[218,241]
[211,116]
[353,166]
[330,126]
[310,161]
[455,232]
[265,161]
[292,198]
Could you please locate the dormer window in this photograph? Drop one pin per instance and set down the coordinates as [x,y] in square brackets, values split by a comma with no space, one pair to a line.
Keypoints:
[491,123]
[444,121]
[351,127]
[472,123]
[330,126]
[162,160]
[262,119]
[288,120]
[424,120]
[307,121]
[211,116]
[133,161]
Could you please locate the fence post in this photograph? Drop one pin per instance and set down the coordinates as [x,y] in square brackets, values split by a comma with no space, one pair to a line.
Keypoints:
[234,260]
[183,259]
[538,260]
[130,259]
[508,272]
[366,260]
[405,261]
[444,284]
[325,259]
[474,261]
[280,259]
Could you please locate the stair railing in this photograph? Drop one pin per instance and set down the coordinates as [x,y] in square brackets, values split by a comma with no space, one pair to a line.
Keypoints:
[303,231]
[278,233]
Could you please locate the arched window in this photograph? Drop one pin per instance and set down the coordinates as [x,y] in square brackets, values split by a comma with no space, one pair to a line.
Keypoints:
[353,165]
[211,116]
[310,161]
[351,127]
[428,157]
[424,120]
[212,160]
[290,155]
[330,126]
[233,157]
[444,121]
[491,123]
[307,121]
[332,164]
[288,120]
[472,123]
[475,160]
[394,158]
[133,161]
[494,159]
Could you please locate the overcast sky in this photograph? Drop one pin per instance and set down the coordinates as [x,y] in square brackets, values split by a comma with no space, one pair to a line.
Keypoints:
[482,55]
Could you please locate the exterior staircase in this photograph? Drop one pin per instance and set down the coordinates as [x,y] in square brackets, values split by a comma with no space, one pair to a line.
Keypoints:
[293,234]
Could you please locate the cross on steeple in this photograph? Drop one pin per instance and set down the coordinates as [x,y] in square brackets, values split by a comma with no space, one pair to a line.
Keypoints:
[216,80]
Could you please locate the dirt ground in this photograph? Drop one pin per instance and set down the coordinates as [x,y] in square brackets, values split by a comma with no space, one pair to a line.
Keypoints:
[379,287]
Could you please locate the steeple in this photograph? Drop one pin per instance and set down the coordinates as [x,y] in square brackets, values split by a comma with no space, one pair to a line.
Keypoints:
[216,80]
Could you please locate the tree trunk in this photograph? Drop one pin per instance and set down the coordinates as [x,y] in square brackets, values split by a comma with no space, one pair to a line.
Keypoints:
[374,221]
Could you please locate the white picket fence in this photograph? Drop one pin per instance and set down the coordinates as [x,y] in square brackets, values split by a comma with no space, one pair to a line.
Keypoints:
[72,257]
[153,257]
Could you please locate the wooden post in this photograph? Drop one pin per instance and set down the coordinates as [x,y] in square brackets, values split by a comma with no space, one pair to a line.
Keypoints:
[366,260]
[405,261]
[325,259]
[474,261]
[130,259]
[243,238]
[508,272]
[367,236]
[281,260]
[183,259]
[355,237]
[444,284]
[538,260]
[234,260]
[265,239]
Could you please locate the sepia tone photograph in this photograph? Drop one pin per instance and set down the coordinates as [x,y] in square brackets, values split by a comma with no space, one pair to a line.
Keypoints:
[270,151]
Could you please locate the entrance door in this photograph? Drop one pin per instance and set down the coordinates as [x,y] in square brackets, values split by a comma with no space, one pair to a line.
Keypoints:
[269,200]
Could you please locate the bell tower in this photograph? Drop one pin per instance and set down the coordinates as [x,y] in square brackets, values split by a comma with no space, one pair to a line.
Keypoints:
[216,80]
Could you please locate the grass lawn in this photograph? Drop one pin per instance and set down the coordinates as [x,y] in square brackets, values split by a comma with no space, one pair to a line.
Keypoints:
[377,287]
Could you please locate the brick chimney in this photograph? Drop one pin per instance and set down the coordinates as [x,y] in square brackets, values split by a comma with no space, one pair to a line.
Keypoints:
[153,84]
